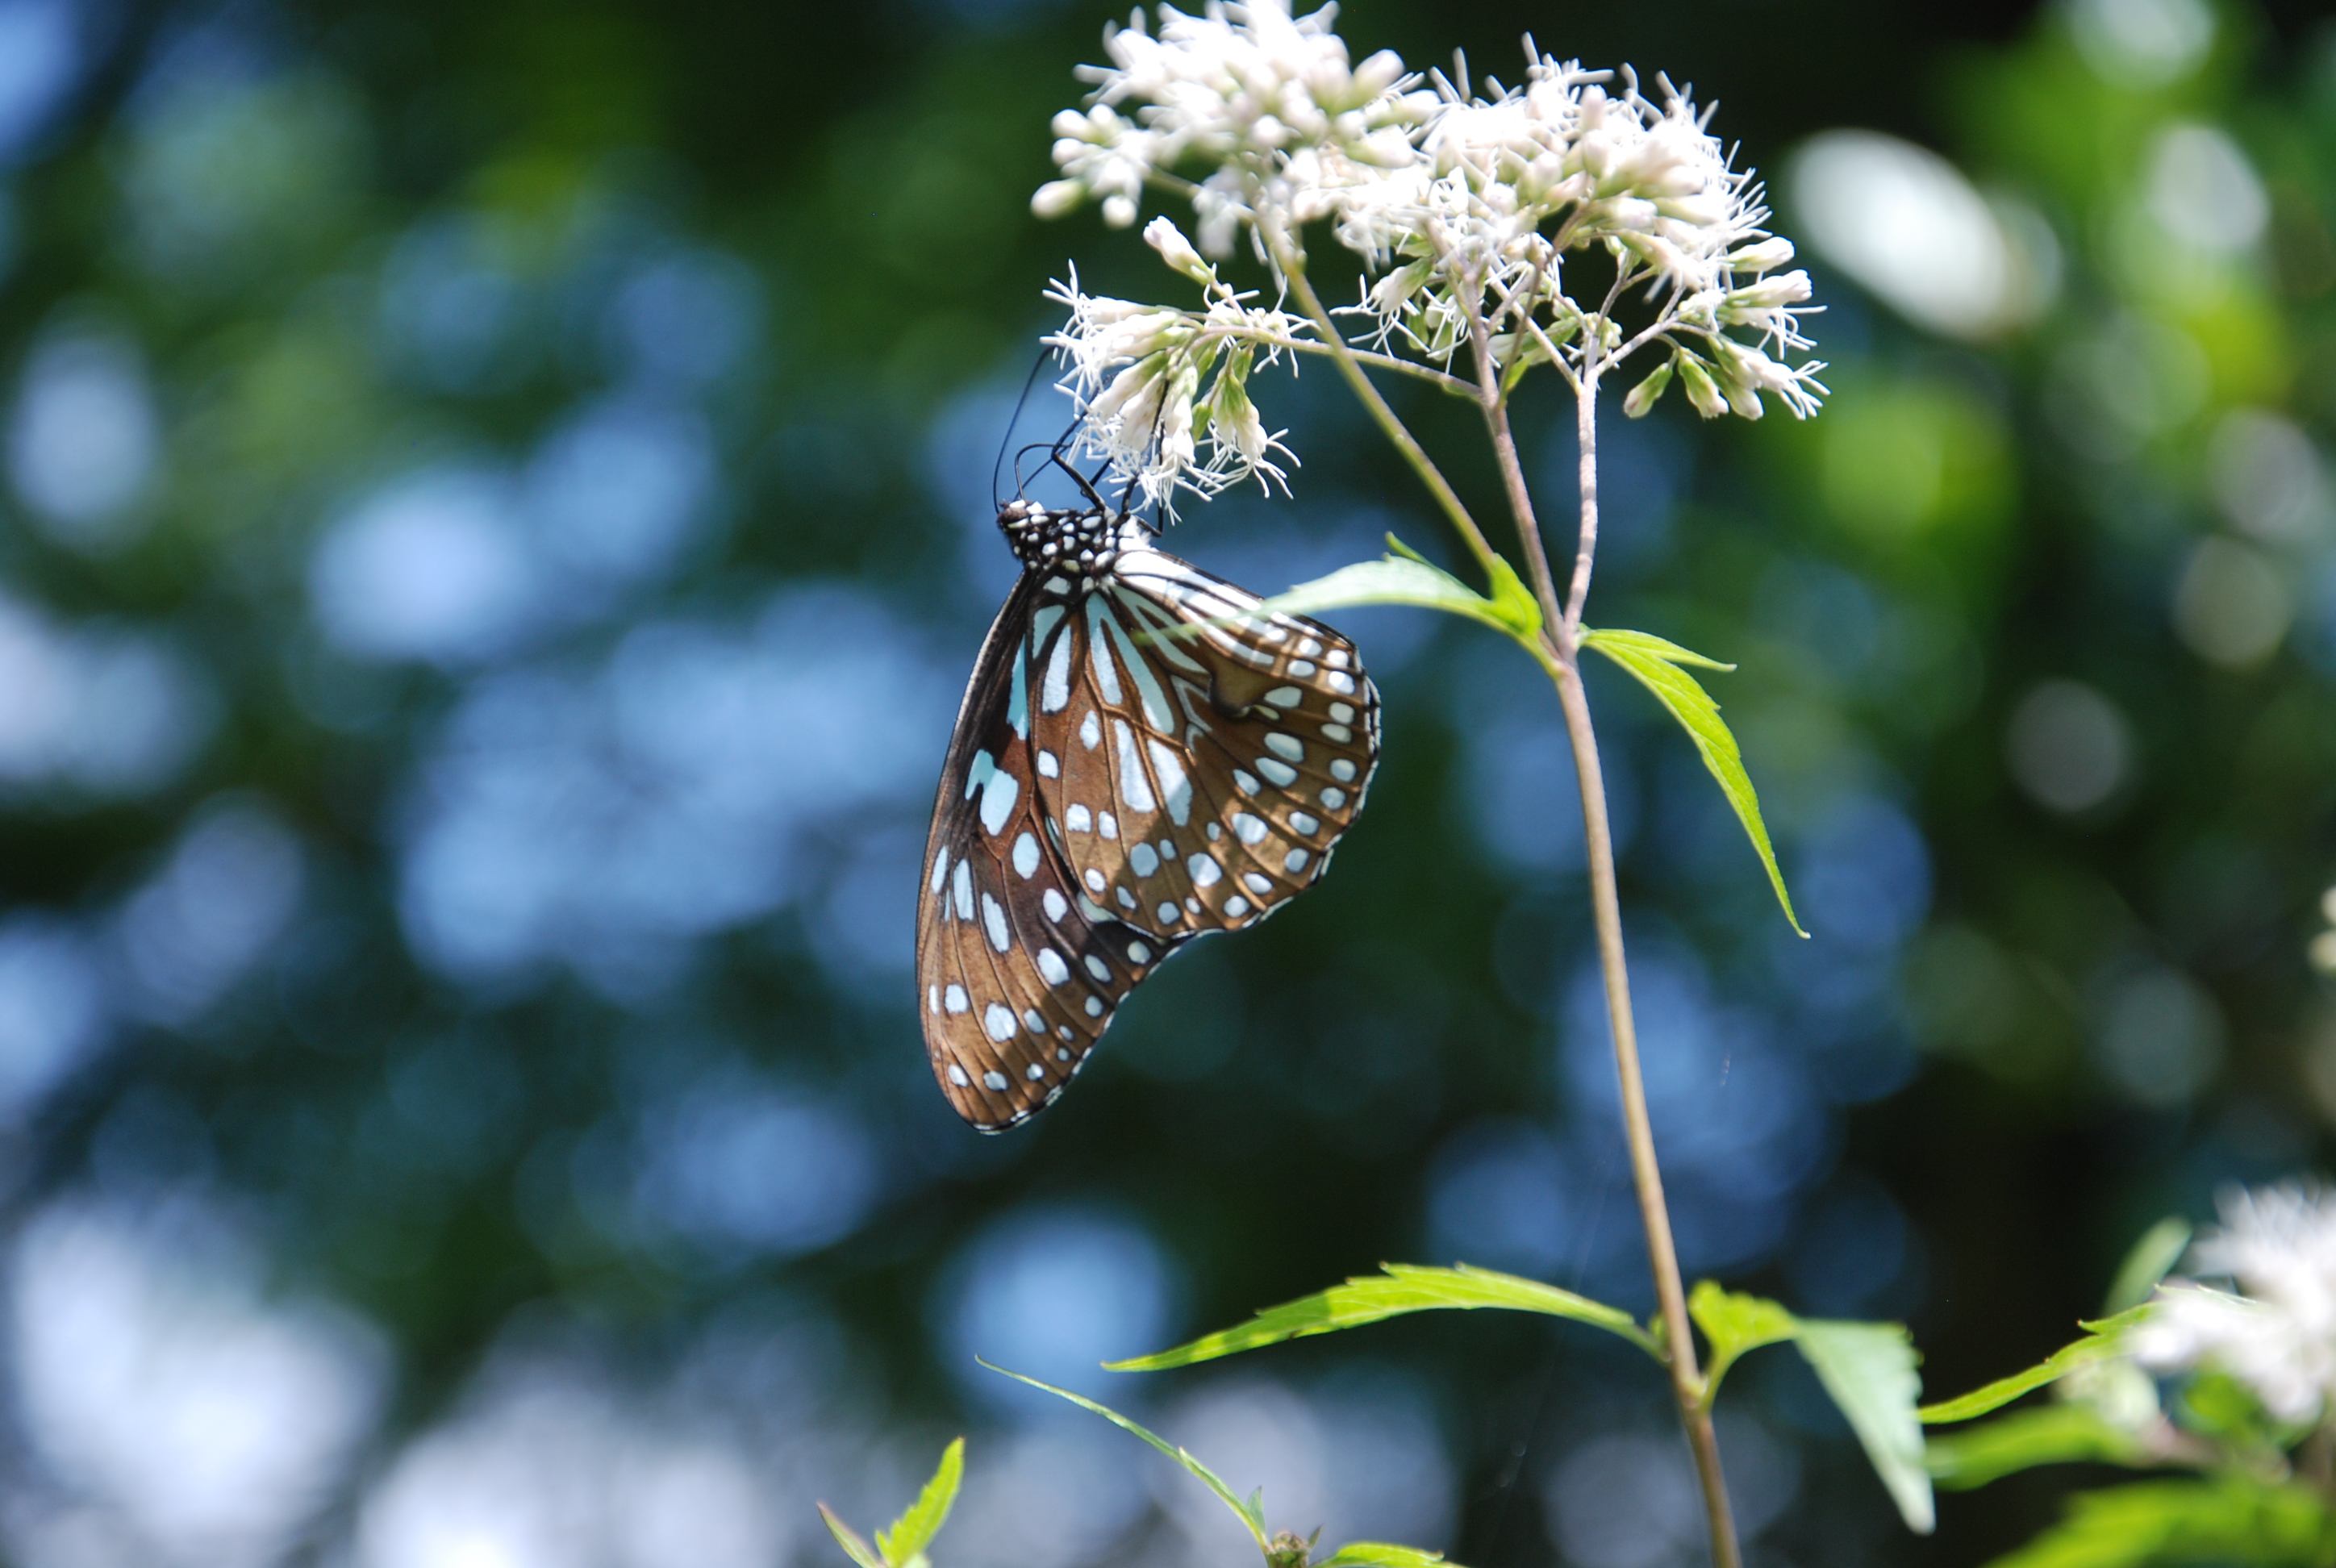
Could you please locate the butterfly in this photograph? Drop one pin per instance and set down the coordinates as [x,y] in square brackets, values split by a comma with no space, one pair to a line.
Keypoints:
[1144,755]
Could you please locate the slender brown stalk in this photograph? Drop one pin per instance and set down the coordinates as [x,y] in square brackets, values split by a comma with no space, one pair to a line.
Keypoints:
[1654,1213]
[1606,906]
[1293,270]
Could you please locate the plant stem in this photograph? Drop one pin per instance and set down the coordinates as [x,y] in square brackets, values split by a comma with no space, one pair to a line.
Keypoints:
[1606,907]
[1293,269]
[1687,1381]
[1496,404]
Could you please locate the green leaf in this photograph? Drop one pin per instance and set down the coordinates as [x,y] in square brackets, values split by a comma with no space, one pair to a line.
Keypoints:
[858,1550]
[1735,1323]
[2150,1261]
[1379,1554]
[2231,1519]
[1404,577]
[1403,1288]
[1869,1370]
[914,1530]
[1250,1514]
[2048,1434]
[2101,1339]
[1657,663]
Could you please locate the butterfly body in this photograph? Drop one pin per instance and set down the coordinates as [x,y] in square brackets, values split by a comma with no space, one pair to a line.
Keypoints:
[1144,756]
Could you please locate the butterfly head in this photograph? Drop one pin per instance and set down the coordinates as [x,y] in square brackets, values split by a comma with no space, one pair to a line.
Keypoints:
[1083,543]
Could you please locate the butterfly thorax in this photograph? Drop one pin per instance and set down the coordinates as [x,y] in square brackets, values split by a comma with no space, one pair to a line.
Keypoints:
[1082,544]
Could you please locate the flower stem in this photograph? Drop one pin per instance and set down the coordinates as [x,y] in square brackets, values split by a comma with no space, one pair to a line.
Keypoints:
[1293,269]
[1687,1379]
[1606,907]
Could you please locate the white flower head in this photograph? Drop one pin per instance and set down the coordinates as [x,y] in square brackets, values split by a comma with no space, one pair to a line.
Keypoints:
[1135,374]
[2277,1335]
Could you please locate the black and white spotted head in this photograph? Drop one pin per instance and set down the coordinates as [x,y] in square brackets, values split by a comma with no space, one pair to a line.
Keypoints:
[1084,542]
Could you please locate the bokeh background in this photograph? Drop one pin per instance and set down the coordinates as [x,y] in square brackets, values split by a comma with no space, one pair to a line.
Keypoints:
[497,515]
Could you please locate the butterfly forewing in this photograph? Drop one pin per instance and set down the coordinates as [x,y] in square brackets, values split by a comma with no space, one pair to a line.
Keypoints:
[1018,975]
[1144,756]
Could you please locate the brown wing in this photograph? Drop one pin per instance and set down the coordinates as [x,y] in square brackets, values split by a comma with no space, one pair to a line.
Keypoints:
[1018,975]
[1201,774]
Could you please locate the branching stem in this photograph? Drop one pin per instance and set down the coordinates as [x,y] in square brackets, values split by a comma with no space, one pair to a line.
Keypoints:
[1293,264]
[1564,634]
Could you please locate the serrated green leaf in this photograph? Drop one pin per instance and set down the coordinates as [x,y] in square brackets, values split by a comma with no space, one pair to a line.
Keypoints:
[858,1550]
[1656,664]
[1869,1369]
[1404,577]
[1380,1554]
[1403,1288]
[2231,1519]
[2058,1434]
[914,1530]
[1735,1323]
[2100,1340]
[1250,1514]
[2150,1260]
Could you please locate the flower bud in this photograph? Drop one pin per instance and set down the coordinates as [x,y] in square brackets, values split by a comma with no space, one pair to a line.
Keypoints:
[1765,257]
[1119,210]
[1377,74]
[1071,125]
[1770,293]
[1700,391]
[1645,395]
[1057,197]
[1139,382]
[1163,235]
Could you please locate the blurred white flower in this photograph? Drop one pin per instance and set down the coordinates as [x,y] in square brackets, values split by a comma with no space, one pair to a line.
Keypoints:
[2277,1335]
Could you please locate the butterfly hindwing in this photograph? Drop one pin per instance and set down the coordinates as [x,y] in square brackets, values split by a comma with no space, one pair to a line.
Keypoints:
[1206,770]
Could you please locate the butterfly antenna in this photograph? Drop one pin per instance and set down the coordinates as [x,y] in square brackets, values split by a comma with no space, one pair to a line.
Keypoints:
[1007,439]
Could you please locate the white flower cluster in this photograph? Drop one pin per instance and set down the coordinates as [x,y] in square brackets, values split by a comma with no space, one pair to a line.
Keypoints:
[1468,205]
[2277,1334]
[1135,371]
[1268,98]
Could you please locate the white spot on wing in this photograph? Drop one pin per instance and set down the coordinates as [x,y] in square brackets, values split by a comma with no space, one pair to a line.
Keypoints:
[1049,765]
[1025,855]
[1134,787]
[1294,862]
[1278,771]
[1051,966]
[1143,859]
[993,916]
[1097,968]
[1284,697]
[1342,713]
[1106,673]
[1249,830]
[956,1000]
[1337,732]
[1246,780]
[1333,797]
[1093,880]
[1094,1007]
[1342,769]
[1237,906]
[994,1082]
[1285,746]
[1110,826]
[997,795]
[962,888]
[1303,822]
[1090,731]
[1339,680]
[1034,1072]
[1261,886]
[998,1021]
[1137,953]
[1054,691]
[941,871]
[1057,906]
[1173,782]
[1204,870]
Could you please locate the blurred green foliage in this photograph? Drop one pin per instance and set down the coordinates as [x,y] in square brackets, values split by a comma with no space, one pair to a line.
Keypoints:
[2036,636]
